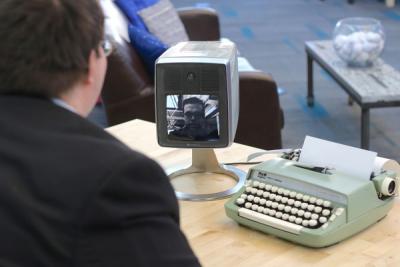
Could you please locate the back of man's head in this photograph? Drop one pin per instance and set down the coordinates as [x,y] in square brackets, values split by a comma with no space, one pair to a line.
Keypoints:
[45,44]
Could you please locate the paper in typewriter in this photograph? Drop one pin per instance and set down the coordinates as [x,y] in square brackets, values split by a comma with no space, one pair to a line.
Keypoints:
[348,160]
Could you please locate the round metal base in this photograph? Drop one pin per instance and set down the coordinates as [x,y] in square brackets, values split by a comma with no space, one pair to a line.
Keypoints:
[235,173]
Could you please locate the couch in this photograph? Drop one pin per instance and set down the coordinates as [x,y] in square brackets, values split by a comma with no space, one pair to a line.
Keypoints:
[128,91]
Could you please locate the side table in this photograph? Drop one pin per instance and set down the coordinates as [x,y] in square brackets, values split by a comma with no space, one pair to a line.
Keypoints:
[389,3]
[372,87]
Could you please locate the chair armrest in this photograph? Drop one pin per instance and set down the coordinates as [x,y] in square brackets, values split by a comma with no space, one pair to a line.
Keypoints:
[128,91]
[260,114]
[201,24]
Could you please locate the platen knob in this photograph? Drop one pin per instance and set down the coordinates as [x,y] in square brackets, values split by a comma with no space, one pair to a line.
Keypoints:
[388,186]
[385,185]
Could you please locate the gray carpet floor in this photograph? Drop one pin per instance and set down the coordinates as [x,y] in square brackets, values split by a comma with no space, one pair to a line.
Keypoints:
[271,34]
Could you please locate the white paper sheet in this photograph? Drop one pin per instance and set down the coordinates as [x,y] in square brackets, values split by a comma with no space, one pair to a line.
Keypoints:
[349,160]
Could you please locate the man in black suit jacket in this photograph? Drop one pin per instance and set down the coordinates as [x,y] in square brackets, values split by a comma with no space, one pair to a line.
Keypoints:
[71,194]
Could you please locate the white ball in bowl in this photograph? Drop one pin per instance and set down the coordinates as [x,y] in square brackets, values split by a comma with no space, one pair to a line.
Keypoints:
[358,47]
[373,37]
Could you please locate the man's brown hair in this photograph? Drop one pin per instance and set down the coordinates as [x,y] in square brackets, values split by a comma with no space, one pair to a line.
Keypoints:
[45,44]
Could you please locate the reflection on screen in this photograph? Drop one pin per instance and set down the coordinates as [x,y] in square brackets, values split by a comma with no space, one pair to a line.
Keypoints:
[193,117]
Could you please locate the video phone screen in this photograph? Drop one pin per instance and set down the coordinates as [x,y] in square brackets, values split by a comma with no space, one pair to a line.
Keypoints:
[193,117]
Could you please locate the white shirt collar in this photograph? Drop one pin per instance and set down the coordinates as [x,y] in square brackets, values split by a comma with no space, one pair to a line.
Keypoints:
[63,104]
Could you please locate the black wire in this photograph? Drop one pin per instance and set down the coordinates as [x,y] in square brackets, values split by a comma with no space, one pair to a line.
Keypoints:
[243,163]
[286,155]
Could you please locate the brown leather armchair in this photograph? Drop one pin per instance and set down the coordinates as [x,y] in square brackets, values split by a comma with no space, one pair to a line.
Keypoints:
[128,91]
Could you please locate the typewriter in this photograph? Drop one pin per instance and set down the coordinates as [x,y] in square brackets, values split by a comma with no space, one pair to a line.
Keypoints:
[312,206]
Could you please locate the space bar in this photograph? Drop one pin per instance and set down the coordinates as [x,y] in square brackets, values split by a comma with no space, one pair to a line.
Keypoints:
[270,221]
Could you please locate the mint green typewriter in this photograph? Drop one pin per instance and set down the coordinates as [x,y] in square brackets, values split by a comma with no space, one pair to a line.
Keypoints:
[308,205]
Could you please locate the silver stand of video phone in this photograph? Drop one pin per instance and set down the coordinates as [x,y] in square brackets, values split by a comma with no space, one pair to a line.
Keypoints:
[205,161]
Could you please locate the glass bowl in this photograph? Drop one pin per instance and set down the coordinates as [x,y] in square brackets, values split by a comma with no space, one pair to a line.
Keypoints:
[358,41]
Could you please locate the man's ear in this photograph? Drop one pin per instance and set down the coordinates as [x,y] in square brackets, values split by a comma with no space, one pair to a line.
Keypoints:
[90,77]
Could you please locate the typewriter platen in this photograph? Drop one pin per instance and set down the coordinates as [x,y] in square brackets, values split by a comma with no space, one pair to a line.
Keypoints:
[309,205]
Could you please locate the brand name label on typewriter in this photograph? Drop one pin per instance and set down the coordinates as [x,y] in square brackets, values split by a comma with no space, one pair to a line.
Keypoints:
[263,176]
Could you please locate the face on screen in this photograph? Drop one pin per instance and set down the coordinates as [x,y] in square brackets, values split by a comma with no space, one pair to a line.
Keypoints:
[193,117]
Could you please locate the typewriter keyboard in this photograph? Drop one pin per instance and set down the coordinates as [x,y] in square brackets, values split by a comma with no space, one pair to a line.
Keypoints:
[284,209]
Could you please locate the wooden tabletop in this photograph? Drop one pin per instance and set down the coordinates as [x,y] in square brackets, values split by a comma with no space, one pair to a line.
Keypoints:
[219,241]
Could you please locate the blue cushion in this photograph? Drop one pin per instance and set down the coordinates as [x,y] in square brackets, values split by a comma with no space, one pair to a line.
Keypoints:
[140,4]
[147,46]
[130,9]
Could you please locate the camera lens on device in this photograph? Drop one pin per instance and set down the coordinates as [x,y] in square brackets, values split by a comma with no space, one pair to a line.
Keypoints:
[190,76]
